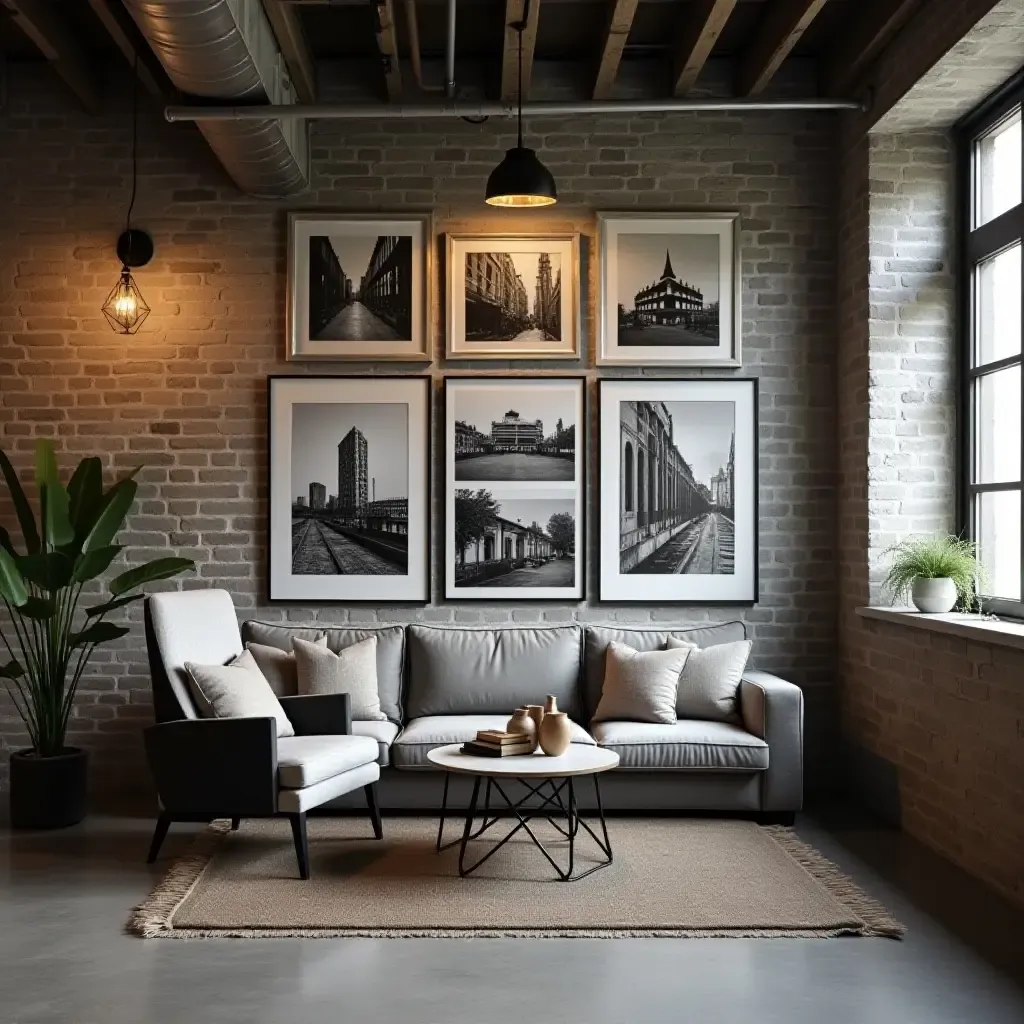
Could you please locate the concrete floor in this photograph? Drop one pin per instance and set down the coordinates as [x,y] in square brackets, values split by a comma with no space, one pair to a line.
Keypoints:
[64,898]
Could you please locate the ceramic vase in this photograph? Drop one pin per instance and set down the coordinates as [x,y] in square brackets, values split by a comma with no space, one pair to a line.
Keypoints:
[536,712]
[522,723]
[934,596]
[550,704]
[554,733]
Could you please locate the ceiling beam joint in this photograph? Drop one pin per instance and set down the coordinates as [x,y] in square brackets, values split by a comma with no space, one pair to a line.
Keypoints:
[616,34]
[704,25]
[781,28]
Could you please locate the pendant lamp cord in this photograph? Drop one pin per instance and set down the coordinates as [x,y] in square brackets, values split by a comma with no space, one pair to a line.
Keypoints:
[519,27]
[135,140]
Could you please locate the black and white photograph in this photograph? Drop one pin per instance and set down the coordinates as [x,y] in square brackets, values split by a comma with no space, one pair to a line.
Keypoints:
[678,490]
[348,488]
[514,488]
[512,297]
[514,430]
[669,289]
[358,286]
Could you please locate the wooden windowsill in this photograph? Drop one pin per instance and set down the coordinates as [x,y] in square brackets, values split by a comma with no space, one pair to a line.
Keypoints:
[1001,632]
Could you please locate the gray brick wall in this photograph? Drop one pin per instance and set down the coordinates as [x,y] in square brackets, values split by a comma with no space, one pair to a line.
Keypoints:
[186,396]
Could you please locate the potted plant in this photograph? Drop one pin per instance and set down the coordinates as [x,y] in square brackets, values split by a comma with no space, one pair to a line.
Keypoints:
[936,573]
[47,639]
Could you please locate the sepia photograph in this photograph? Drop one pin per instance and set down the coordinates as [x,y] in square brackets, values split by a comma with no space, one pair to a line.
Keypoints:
[514,430]
[680,472]
[348,488]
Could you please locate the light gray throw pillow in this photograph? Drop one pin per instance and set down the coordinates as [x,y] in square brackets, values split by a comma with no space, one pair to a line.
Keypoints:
[640,686]
[236,690]
[710,681]
[353,671]
[279,666]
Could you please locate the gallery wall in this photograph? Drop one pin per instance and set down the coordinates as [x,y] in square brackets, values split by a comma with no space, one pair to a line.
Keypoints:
[187,395]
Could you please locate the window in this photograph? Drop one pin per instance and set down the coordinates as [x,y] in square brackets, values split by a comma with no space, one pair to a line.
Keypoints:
[991,428]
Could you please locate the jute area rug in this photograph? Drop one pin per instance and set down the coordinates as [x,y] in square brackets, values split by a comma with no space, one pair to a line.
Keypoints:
[670,877]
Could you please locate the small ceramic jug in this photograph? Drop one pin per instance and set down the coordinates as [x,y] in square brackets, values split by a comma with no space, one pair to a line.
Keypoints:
[536,712]
[551,704]
[554,733]
[521,722]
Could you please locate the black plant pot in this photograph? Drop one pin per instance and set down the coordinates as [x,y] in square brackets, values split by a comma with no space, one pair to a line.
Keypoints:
[48,792]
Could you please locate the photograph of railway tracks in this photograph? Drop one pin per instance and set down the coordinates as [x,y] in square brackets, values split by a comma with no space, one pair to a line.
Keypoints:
[348,471]
[683,490]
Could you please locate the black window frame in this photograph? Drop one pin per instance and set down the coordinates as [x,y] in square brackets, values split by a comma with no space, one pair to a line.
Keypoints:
[978,244]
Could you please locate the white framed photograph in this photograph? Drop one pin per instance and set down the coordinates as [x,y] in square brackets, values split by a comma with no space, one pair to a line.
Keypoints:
[669,289]
[513,297]
[359,286]
[678,490]
[514,486]
[349,501]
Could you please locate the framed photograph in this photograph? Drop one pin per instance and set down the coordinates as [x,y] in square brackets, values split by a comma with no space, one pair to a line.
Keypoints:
[514,484]
[349,502]
[669,289]
[678,483]
[359,286]
[513,297]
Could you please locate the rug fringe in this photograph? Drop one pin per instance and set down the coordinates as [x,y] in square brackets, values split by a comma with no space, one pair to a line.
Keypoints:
[876,918]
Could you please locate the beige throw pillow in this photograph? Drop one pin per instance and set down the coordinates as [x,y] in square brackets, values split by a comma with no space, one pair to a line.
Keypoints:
[710,682]
[352,671]
[279,666]
[236,690]
[640,686]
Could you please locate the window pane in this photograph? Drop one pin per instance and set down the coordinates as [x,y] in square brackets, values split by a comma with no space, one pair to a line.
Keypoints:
[997,419]
[999,170]
[998,292]
[998,523]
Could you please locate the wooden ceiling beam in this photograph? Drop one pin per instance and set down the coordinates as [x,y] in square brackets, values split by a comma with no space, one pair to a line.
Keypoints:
[620,20]
[515,11]
[868,33]
[48,29]
[287,27]
[116,21]
[779,31]
[387,43]
[704,25]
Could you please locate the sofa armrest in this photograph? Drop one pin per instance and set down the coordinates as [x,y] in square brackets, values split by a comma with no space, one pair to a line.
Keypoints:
[773,710]
[321,714]
[224,767]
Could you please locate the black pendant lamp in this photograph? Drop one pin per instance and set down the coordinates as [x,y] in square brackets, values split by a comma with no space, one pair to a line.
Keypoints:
[521,179]
[125,308]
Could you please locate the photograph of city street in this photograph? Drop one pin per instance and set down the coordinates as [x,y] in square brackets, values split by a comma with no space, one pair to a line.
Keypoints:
[350,489]
[525,542]
[677,476]
[668,289]
[517,429]
[513,296]
[360,287]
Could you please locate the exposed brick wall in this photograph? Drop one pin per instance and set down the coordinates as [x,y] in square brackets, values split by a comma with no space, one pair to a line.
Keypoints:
[186,396]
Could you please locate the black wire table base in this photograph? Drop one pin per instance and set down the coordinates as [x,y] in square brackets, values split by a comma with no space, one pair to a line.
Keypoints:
[560,812]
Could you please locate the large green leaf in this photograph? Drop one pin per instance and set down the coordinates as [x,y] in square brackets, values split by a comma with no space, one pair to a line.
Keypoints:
[89,566]
[12,584]
[98,633]
[6,543]
[57,529]
[46,463]
[12,670]
[50,570]
[108,606]
[158,569]
[26,520]
[39,608]
[85,493]
[117,501]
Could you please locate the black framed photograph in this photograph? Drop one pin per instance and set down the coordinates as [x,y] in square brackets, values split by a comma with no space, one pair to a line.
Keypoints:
[514,486]
[349,503]
[678,490]
[359,286]
[669,289]
[513,296]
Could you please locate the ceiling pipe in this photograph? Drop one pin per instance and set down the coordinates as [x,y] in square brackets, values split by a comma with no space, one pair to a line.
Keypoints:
[404,111]
[449,54]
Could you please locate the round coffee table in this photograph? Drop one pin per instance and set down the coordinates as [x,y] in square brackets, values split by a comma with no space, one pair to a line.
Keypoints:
[545,778]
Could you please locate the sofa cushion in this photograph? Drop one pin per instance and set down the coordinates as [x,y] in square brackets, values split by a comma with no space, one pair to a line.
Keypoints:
[642,639]
[390,652]
[306,760]
[352,671]
[279,667]
[716,746]
[491,671]
[640,685]
[383,733]
[709,685]
[424,734]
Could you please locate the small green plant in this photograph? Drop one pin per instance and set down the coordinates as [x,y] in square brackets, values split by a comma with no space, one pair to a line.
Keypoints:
[72,544]
[932,558]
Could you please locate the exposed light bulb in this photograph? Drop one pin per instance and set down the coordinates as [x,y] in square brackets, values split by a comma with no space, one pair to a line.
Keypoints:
[125,308]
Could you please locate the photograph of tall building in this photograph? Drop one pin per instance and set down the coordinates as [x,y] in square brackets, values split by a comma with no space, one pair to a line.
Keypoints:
[513,296]
[353,493]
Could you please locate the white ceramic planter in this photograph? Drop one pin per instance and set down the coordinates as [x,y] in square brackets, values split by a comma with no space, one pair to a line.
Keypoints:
[934,596]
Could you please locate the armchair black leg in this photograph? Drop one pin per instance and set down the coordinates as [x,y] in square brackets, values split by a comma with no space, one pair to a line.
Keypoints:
[235,822]
[371,802]
[301,842]
[163,823]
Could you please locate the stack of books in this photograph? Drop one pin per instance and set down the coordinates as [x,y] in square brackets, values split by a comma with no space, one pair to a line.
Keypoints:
[493,743]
